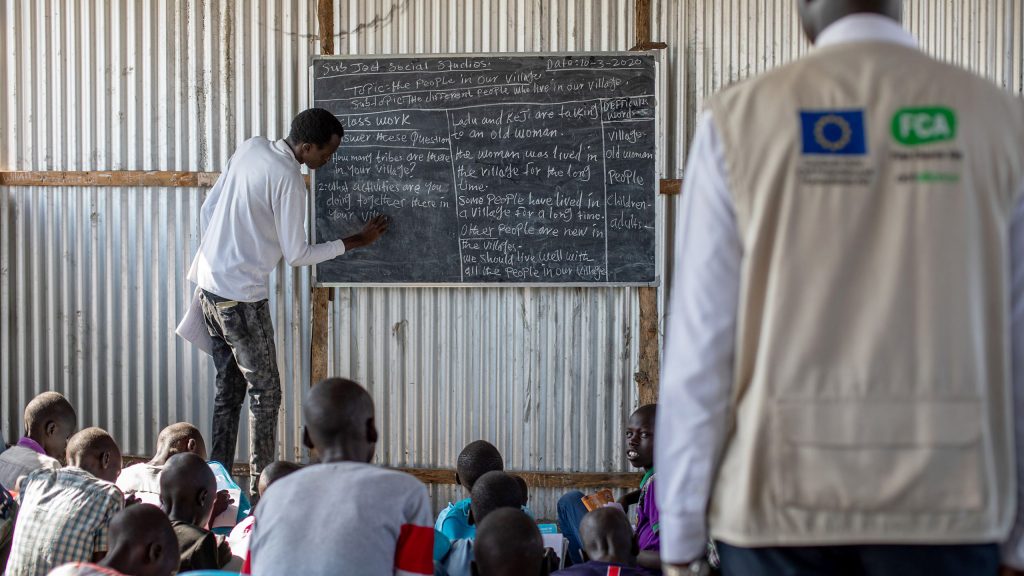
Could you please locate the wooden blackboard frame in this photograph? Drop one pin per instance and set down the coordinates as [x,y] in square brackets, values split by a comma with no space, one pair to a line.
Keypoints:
[658,168]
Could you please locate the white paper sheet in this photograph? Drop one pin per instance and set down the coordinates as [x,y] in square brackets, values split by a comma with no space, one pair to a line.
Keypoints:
[193,326]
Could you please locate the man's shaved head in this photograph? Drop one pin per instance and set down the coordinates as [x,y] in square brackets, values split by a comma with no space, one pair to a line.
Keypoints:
[274,472]
[476,459]
[188,489]
[492,491]
[50,420]
[608,537]
[96,452]
[339,420]
[177,438]
[142,542]
[816,15]
[508,543]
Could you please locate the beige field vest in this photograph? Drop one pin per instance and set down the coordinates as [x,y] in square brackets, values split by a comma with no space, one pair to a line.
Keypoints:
[873,189]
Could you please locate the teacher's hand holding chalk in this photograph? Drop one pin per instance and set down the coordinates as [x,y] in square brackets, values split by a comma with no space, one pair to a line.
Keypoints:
[370,232]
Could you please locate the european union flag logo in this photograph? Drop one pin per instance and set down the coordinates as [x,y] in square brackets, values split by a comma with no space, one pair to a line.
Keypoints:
[833,132]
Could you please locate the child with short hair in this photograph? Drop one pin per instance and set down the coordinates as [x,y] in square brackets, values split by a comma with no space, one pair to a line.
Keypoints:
[142,543]
[144,478]
[608,545]
[492,491]
[238,540]
[188,489]
[508,543]
[65,513]
[640,453]
[343,515]
[50,421]
[475,460]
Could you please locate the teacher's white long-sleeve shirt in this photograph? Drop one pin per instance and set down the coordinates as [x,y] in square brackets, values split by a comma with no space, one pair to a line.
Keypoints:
[700,341]
[254,215]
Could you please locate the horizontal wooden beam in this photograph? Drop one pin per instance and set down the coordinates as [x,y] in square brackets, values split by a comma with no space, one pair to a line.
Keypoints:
[670,186]
[108,178]
[647,46]
[158,178]
[560,480]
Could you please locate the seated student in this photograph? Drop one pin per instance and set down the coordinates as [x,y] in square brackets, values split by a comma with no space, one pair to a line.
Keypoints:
[142,543]
[49,421]
[65,512]
[187,492]
[239,538]
[174,439]
[526,494]
[8,513]
[343,515]
[524,489]
[508,543]
[608,545]
[475,460]
[491,492]
[640,453]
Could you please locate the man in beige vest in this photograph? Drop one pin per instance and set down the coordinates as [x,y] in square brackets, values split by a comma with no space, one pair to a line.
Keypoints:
[842,390]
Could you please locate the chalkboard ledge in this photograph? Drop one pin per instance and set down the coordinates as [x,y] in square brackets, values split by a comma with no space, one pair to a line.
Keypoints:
[654,284]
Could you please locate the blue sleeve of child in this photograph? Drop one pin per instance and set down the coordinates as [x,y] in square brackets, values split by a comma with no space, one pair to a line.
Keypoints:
[453,521]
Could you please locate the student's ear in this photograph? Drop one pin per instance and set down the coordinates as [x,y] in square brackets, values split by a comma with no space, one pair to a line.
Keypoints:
[306,440]
[50,428]
[154,552]
[202,498]
[371,431]
[190,446]
[105,460]
[458,481]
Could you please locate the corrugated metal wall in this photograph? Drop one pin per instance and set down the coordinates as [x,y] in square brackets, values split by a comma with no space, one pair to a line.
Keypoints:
[92,279]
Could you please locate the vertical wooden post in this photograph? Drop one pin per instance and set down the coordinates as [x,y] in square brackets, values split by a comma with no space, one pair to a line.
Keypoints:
[321,296]
[648,365]
[642,13]
[325,18]
[642,23]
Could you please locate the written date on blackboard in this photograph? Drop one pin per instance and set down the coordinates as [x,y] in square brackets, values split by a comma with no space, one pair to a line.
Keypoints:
[526,169]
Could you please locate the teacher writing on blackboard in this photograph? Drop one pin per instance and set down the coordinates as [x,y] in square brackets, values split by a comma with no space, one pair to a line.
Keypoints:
[255,215]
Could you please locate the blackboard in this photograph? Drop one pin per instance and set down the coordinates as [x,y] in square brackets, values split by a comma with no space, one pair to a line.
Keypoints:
[512,169]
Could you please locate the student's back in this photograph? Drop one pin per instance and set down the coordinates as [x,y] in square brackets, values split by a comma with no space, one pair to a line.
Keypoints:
[18,461]
[65,513]
[343,518]
[49,421]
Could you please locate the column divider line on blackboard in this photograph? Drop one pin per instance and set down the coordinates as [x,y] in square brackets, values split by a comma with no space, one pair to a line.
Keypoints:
[604,178]
[455,187]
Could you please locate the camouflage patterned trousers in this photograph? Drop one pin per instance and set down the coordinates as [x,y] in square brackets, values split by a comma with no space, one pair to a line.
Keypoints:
[246,361]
